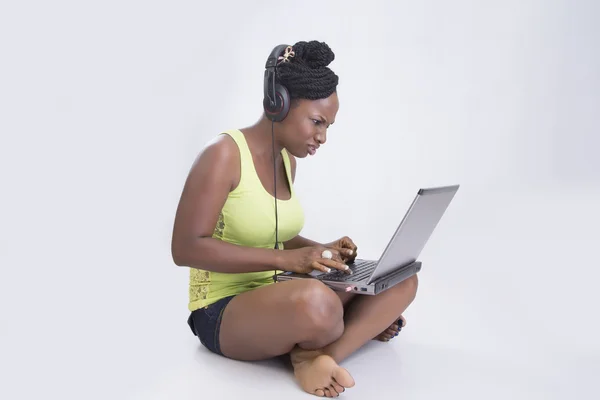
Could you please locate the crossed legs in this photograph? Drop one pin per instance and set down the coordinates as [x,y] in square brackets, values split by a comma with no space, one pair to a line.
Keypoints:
[307,320]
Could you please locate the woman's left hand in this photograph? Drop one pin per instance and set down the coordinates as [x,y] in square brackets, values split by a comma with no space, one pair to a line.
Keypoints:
[346,248]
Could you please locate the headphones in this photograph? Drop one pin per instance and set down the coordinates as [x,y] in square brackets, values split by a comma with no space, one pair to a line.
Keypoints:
[276,98]
[276,103]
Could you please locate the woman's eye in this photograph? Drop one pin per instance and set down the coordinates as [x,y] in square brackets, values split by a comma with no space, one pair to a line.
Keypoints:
[316,121]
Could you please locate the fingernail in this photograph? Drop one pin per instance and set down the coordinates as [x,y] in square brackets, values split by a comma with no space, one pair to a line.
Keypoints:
[346,267]
[349,252]
[328,269]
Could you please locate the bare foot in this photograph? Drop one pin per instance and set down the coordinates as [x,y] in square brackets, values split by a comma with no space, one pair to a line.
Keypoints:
[319,374]
[392,331]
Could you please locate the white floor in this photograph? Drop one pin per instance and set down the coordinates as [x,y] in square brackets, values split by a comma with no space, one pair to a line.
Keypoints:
[401,370]
[507,309]
[177,368]
[172,365]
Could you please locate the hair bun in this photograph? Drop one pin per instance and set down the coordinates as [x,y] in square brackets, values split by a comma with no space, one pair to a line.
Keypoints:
[306,75]
[314,54]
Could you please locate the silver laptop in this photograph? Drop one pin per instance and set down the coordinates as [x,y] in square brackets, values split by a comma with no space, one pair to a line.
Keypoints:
[399,260]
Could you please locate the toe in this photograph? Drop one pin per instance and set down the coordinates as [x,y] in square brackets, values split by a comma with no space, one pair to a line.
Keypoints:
[391,332]
[384,337]
[343,377]
[320,392]
[338,388]
[327,392]
[333,391]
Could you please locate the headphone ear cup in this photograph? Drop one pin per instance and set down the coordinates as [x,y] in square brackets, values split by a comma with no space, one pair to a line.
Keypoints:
[282,104]
[285,101]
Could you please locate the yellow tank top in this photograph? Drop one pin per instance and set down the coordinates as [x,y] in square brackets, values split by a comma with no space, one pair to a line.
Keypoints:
[247,219]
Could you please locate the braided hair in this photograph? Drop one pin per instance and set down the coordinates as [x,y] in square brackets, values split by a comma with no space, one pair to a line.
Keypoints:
[307,75]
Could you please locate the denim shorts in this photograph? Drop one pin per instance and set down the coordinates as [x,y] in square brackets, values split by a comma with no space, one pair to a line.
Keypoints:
[205,323]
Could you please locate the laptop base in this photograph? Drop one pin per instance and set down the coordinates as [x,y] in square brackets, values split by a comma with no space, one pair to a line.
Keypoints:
[362,287]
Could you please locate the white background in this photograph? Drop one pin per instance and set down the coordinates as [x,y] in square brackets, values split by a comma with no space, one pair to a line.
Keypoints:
[104,106]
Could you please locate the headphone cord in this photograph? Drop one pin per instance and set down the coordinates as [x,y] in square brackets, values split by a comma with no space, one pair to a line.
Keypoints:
[275,185]
[275,193]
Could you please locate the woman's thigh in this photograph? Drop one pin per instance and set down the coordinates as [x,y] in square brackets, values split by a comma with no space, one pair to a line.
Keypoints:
[345,297]
[271,320]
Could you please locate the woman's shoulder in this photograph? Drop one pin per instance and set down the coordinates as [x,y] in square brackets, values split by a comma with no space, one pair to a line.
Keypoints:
[221,146]
[220,153]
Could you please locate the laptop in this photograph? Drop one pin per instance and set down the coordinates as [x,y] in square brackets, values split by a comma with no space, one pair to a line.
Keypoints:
[399,260]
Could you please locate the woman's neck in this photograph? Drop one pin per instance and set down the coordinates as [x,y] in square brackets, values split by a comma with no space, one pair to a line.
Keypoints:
[261,139]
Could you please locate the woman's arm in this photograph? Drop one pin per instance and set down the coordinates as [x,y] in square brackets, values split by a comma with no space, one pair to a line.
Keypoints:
[211,178]
[298,242]
[216,255]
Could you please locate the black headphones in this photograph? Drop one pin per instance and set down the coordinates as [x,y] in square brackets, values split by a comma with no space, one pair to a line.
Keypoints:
[276,103]
[276,98]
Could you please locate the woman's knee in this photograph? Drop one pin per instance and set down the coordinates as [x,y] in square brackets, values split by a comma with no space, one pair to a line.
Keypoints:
[319,310]
[413,282]
[410,285]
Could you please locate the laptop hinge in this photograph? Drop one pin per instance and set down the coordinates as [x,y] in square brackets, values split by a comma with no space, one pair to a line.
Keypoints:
[395,272]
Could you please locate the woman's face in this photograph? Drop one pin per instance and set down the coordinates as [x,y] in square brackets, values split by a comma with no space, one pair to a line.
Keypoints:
[305,127]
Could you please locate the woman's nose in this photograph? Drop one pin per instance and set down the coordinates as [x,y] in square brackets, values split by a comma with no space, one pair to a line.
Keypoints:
[321,137]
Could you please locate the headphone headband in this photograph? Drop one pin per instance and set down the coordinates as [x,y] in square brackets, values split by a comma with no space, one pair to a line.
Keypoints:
[275,54]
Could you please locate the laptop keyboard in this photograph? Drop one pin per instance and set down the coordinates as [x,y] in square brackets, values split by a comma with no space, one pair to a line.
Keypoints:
[361,270]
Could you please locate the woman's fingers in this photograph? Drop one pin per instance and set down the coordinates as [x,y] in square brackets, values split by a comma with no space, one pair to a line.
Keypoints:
[328,260]
[332,253]
[320,267]
[335,265]
[346,254]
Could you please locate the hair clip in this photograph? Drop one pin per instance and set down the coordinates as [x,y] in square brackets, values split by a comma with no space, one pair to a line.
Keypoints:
[289,52]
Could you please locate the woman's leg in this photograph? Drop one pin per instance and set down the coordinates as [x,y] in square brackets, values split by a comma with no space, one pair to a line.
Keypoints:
[366,317]
[389,333]
[306,319]
[272,320]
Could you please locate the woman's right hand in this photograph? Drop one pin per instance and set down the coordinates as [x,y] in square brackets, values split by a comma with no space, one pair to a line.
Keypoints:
[307,259]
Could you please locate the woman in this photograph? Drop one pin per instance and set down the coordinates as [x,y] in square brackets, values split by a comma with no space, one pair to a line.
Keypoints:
[225,230]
